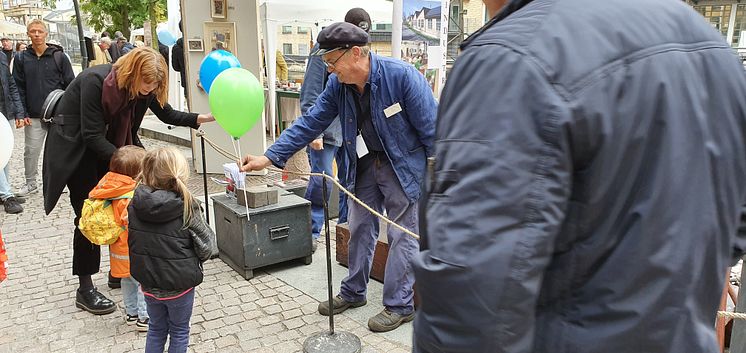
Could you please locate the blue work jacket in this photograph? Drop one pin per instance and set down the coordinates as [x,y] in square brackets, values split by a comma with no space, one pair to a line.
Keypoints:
[406,133]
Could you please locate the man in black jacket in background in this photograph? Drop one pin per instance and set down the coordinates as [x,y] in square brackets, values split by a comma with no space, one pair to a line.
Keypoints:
[177,61]
[38,70]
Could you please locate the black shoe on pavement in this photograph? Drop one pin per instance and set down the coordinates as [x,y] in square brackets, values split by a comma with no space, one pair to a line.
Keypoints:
[142,325]
[340,305]
[114,282]
[20,200]
[92,301]
[12,205]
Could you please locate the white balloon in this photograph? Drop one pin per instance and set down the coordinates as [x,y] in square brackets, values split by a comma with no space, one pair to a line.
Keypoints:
[6,141]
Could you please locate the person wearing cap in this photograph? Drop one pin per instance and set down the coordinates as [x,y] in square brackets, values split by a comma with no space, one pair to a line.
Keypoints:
[588,183]
[7,48]
[326,148]
[115,50]
[387,111]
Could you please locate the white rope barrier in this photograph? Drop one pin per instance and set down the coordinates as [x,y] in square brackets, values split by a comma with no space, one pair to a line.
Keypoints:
[233,157]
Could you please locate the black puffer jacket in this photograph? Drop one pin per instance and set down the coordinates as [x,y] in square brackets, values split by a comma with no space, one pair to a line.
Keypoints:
[163,255]
[37,76]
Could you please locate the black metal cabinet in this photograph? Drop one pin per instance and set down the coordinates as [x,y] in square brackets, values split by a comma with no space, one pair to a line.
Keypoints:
[273,234]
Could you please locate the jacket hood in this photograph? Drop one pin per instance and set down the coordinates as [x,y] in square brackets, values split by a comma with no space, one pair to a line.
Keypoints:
[157,206]
[112,185]
[51,49]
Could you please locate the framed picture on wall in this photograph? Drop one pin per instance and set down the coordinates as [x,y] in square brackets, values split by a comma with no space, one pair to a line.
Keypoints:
[218,8]
[220,35]
[195,44]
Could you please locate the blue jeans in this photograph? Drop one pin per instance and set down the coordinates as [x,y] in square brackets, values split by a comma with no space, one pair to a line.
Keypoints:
[321,161]
[377,186]
[5,190]
[134,300]
[169,318]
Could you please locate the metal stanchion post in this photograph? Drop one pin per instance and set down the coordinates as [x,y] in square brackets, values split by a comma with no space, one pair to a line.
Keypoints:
[204,180]
[330,341]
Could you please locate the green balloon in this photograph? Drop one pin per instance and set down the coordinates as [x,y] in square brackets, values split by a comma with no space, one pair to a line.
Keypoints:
[236,100]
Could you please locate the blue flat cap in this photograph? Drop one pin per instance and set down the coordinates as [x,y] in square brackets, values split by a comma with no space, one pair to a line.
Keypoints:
[340,35]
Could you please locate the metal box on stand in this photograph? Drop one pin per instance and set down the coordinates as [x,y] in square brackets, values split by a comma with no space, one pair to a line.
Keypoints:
[273,234]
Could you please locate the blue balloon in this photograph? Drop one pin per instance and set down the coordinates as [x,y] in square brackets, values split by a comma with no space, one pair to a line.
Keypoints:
[166,38]
[213,64]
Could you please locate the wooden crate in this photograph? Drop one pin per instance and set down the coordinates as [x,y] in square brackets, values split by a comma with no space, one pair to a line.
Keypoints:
[379,257]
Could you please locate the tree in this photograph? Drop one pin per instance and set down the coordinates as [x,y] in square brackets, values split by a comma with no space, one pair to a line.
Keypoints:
[120,15]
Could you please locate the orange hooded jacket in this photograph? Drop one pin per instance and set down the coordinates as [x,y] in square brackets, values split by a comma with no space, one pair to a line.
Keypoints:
[110,186]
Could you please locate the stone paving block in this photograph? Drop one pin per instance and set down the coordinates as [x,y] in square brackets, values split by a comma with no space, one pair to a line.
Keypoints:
[273,309]
[226,341]
[269,340]
[269,319]
[291,313]
[228,330]
[250,345]
[287,347]
[205,347]
[213,324]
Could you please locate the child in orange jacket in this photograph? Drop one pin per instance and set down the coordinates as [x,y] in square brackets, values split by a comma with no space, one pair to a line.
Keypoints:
[124,167]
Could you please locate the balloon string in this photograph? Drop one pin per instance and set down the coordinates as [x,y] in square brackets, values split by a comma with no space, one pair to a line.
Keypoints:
[237,142]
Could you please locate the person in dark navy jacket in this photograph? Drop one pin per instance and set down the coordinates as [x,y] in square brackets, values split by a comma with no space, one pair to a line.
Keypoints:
[586,194]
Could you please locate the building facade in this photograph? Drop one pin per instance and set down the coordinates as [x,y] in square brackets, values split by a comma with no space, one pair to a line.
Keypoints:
[728,17]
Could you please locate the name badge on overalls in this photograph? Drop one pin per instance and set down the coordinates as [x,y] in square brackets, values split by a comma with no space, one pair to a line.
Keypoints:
[360,146]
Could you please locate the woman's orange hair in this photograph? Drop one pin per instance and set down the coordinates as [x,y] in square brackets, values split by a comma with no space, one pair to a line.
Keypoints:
[143,65]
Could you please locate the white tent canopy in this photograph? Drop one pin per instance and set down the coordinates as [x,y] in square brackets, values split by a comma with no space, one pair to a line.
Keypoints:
[278,12]
[326,11]
[7,27]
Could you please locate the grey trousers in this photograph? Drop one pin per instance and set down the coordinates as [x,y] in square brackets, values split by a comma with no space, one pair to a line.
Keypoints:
[34,140]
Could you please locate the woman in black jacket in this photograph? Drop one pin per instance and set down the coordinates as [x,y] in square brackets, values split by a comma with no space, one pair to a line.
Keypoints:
[101,111]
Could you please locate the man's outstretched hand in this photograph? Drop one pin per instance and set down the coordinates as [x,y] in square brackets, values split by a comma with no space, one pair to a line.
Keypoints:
[251,163]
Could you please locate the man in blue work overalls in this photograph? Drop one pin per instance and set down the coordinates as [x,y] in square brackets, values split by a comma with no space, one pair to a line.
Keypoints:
[388,117]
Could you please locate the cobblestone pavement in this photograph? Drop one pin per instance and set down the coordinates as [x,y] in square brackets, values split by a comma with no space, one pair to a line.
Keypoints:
[37,311]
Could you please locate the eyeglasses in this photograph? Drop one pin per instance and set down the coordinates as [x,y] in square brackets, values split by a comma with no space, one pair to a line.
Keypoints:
[331,64]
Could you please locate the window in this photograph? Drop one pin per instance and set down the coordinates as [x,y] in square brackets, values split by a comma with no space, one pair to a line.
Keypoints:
[717,15]
[303,30]
[383,27]
[287,48]
[739,25]
[302,49]
[287,29]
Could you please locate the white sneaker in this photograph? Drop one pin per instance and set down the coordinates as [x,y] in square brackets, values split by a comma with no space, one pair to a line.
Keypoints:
[27,189]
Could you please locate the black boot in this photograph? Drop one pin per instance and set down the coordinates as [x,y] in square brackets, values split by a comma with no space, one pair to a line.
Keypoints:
[114,282]
[92,301]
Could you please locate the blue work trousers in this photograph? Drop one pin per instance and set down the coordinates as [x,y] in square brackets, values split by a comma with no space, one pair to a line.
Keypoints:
[378,187]
[321,161]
